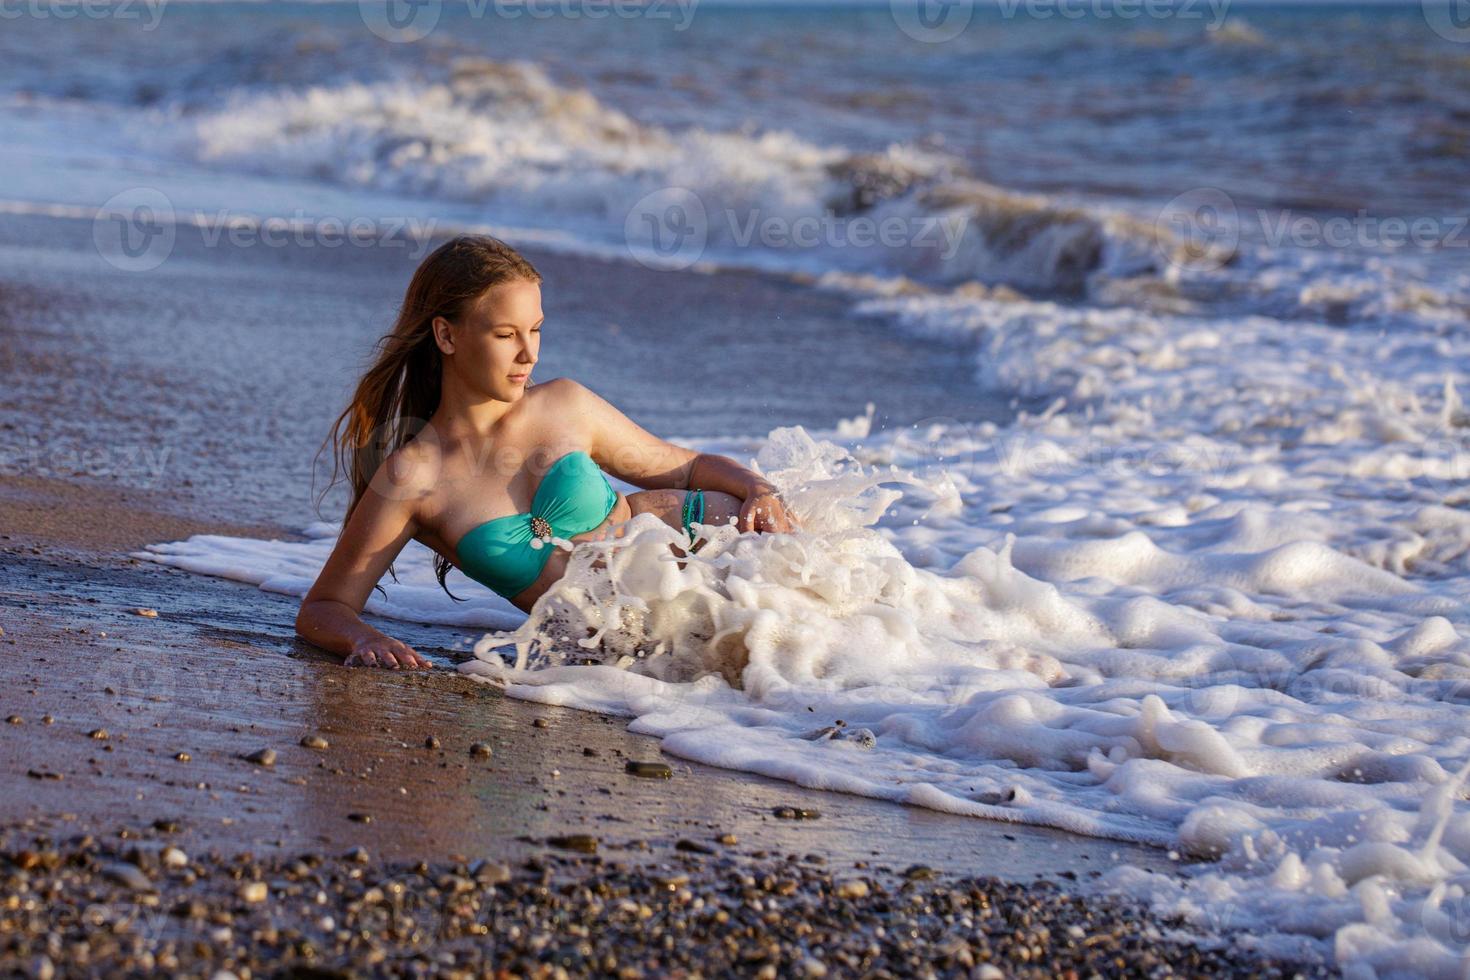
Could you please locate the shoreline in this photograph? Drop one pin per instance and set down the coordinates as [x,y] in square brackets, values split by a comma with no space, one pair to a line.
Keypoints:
[130,734]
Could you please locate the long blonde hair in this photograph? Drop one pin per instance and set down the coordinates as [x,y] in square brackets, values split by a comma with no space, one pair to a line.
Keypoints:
[400,392]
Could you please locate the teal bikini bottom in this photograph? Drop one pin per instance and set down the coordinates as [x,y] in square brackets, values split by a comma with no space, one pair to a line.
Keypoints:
[693,513]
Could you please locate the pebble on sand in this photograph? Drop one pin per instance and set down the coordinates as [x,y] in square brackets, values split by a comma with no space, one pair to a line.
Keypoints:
[147,613]
[253,892]
[127,875]
[314,742]
[262,757]
[648,770]
[585,843]
[795,813]
[481,750]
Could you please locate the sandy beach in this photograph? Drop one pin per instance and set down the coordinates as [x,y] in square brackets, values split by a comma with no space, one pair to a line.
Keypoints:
[137,696]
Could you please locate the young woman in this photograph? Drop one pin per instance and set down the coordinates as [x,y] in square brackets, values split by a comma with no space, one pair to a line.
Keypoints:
[448,443]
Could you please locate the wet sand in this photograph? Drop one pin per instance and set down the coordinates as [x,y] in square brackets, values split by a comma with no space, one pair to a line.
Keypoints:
[219,674]
[127,727]
[223,796]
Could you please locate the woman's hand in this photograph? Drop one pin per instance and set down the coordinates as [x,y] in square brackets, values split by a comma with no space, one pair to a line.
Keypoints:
[762,510]
[384,651]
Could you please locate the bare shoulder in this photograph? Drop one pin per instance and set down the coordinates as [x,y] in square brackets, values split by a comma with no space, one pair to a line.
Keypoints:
[561,392]
[567,401]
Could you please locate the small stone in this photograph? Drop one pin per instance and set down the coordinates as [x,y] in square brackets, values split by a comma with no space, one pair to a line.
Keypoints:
[262,757]
[360,817]
[589,751]
[358,855]
[729,840]
[42,774]
[147,613]
[165,826]
[127,875]
[47,719]
[182,756]
[174,858]
[432,742]
[314,742]
[15,720]
[481,750]
[540,723]
[490,872]
[100,734]
[851,888]
[574,842]
[648,770]
[253,892]
[919,872]
[795,813]
[42,968]
[692,847]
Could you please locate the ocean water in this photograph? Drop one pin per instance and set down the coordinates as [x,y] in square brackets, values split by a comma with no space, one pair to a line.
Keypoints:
[1204,587]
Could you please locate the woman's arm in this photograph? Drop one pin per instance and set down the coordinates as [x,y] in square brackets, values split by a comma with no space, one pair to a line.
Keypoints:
[629,452]
[376,531]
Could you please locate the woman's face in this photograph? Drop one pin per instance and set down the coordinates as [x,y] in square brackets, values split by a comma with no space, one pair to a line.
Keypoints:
[497,341]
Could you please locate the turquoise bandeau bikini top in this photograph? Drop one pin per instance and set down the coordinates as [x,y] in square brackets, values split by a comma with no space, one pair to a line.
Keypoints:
[574,496]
